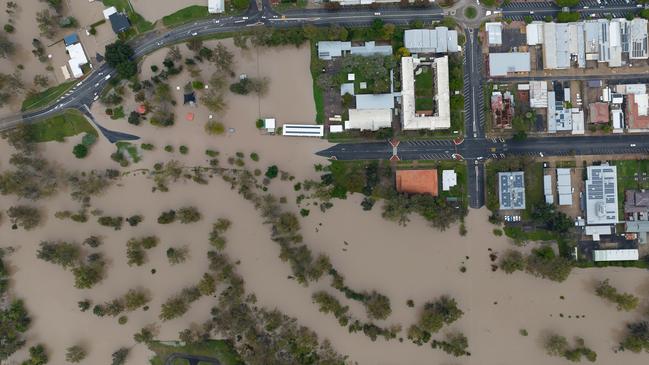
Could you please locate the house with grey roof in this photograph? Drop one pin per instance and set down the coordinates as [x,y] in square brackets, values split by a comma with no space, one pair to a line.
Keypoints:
[511,190]
[328,50]
[438,40]
[636,205]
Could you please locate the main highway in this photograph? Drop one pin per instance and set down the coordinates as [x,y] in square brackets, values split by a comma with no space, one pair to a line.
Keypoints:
[474,148]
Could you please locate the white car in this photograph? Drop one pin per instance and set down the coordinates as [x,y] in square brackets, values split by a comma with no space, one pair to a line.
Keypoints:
[377,14]
[194,34]
[632,145]
[107,77]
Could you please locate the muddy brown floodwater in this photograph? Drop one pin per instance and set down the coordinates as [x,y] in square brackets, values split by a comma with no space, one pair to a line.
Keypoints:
[414,262]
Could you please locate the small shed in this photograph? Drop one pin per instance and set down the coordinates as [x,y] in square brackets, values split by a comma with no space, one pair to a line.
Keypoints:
[335,128]
[189,117]
[269,125]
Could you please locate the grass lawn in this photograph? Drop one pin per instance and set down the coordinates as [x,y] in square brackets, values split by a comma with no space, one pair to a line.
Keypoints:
[57,128]
[142,25]
[185,15]
[219,349]
[424,104]
[282,6]
[470,12]
[424,82]
[46,97]
[318,93]
[533,185]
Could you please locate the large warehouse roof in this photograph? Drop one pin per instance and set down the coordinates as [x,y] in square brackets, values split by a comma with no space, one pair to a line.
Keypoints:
[501,64]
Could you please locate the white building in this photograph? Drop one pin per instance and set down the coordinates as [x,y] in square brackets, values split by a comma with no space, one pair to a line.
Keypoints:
[534,33]
[494,33]
[564,186]
[547,189]
[601,195]
[215,6]
[538,94]
[369,119]
[598,231]
[270,125]
[442,117]
[77,59]
[109,11]
[616,255]
[303,130]
[449,179]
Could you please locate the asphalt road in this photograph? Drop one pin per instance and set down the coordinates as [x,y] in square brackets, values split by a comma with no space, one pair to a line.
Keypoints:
[587,9]
[473,112]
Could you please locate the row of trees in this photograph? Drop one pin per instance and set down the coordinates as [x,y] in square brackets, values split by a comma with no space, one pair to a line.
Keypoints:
[625,301]
[133,300]
[184,215]
[14,319]
[433,317]
[135,249]
[541,262]
[557,345]
[87,271]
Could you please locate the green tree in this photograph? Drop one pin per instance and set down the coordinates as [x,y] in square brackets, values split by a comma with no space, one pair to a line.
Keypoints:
[59,253]
[120,56]
[135,298]
[87,275]
[637,337]
[146,335]
[567,3]
[80,151]
[272,172]
[567,17]
[511,261]
[207,285]
[167,217]
[176,255]
[75,354]
[173,308]
[438,313]
[556,345]
[188,215]
[7,48]
[119,356]
[377,306]
[37,356]
[24,216]
[455,344]
[48,23]
[625,301]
